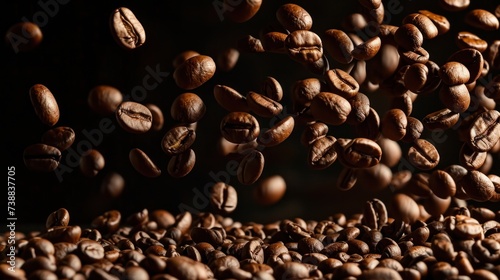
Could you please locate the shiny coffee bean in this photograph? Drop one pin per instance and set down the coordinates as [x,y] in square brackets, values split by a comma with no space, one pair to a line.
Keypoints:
[230,99]
[338,45]
[416,76]
[272,89]
[41,157]
[482,19]
[484,132]
[303,91]
[440,120]
[239,127]
[414,130]
[360,108]
[423,23]
[442,184]
[44,104]
[250,168]
[270,190]
[454,73]
[466,40]
[194,72]
[477,186]
[370,127]
[341,83]
[470,159]
[442,24]
[181,164]
[423,155]
[126,29]
[393,124]
[420,55]
[312,132]
[183,56]
[274,42]
[59,217]
[322,153]
[293,17]
[330,108]
[262,105]
[177,140]
[104,99]
[409,37]
[304,46]
[278,133]
[157,117]
[187,108]
[61,137]
[368,49]
[472,59]
[143,164]
[91,162]
[24,36]
[134,117]
[456,98]
[223,198]
[454,5]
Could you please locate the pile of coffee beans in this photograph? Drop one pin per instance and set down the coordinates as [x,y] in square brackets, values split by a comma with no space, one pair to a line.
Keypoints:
[436,222]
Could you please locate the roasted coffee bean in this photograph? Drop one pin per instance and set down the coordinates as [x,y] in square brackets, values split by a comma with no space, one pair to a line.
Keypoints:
[466,40]
[358,152]
[375,214]
[454,73]
[112,185]
[187,108]
[126,29]
[382,66]
[304,46]
[338,45]
[223,198]
[374,16]
[293,17]
[312,132]
[143,164]
[157,117]
[270,190]
[230,99]
[194,72]
[353,22]
[393,124]
[370,127]
[391,151]
[183,56]
[358,71]
[177,140]
[404,102]
[278,133]
[416,76]
[341,83]
[250,168]
[183,267]
[347,179]
[414,130]
[470,159]
[61,137]
[272,89]
[440,120]
[484,132]
[91,162]
[227,59]
[239,127]
[477,186]
[454,5]
[24,36]
[108,222]
[472,59]
[44,104]
[250,44]
[303,91]
[181,164]
[456,98]
[104,99]
[368,49]
[330,108]
[423,23]
[360,108]
[404,208]
[322,153]
[423,155]
[41,157]
[134,117]
[442,184]
[409,37]
[262,105]
[418,56]
[241,11]
[59,217]
[482,19]
[90,251]
[375,178]
[492,55]
[274,41]
[442,24]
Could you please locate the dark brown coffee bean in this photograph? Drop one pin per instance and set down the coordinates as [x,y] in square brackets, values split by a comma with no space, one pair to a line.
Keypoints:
[91,162]
[143,164]
[423,155]
[440,120]
[183,56]
[250,168]
[304,46]
[409,37]
[472,59]
[177,140]
[416,76]
[104,99]
[59,217]
[360,108]
[24,36]
[370,127]
[477,186]
[272,89]
[368,49]
[442,184]
[470,159]
[187,108]
[330,108]
[358,152]
[240,12]
[466,40]
[374,16]
[274,41]
[262,105]
[41,157]
[250,44]
[353,22]
[375,214]
[126,29]
[312,132]
[423,23]
[227,59]
[44,104]
[157,117]
[322,153]
[223,198]
[194,72]
[338,45]
[303,91]
[420,55]
[278,133]
[403,102]
[347,179]
[230,99]
[456,98]
[482,19]
[293,17]
[393,125]
[454,73]
[484,132]
[341,83]
[181,164]
[414,129]
[442,24]
[404,208]
[492,55]
[454,5]
[61,137]
[183,267]
[239,127]
[108,222]
[112,185]
[134,117]
[90,251]
[270,190]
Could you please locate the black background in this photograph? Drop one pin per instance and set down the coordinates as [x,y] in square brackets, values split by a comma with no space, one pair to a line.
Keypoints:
[78,53]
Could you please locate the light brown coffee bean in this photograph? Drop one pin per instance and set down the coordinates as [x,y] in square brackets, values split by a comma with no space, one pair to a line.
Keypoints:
[472,59]
[405,208]
[484,132]
[466,40]
[274,41]
[330,108]
[454,73]
[157,116]
[393,124]
[441,22]
[482,19]
[454,5]
[223,198]
[134,117]
[409,37]
[272,89]
[270,190]
[177,140]
[262,105]
[358,152]
[126,29]
[470,159]
[416,76]
[239,127]
[442,119]
[456,98]
[304,46]
[183,56]
[341,83]
[423,155]
[477,186]
[442,184]
[368,49]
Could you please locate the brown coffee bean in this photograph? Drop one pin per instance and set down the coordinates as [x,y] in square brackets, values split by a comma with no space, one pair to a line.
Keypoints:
[112,185]
[262,105]
[347,179]
[181,164]
[250,44]
[322,153]
[24,36]
[223,198]
[423,23]
[177,140]
[358,152]
[91,162]
[370,127]
[230,99]
[456,98]
[126,29]
[134,117]
[466,40]
[353,22]
[393,124]
[250,168]
[454,73]
[278,133]
[470,159]
[61,137]
[303,91]
[293,17]
[492,55]
[442,24]
[482,19]
[312,132]
[330,108]
[274,42]
[360,108]
[338,45]
[414,129]
[272,89]
[477,186]
[157,117]
[484,132]
[194,72]
[59,217]
[270,190]
[391,151]
[143,164]
[418,56]
[227,59]
[404,102]
[304,46]
[183,56]
[404,208]
[375,214]
[374,16]
[187,108]
[442,184]
[240,12]
[416,76]
[41,157]
[341,83]
[454,5]
[44,104]
[440,120]
[368,49]
[472,59]
[423,155]
[409,37]
[239,127]
[104,99]
[183,267]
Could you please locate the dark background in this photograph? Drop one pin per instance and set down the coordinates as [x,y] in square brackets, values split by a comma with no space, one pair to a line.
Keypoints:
[78,53]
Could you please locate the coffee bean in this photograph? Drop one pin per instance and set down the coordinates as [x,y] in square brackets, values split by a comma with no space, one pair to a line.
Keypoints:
[91,162]
[456,98]
[183,268]
[374,16]
[391,152]
[250,44]
[358,152]
[143,164]
[112,185]
[353,22]
[347,179]
[341,83]
[45,104]
[242,11]
[183,56]
[423,155]
[239,127]
[272,89]
[482,19]
[393,125]
[454,73]
[270,190]
[442,24]
[250,168]
[485,131]
[492,55]
[338,45]
[24,36]
[370,127]
[420,55]
[375,214]
[181,164]
[440,120]
[470,159]
[303,91]
[322,153]
[223,198]
[227,59]
[312,132]
[41,157]
[177,140]
[423,23]
[360,108]
[409,37]
[414,129]
[330,108]
[404,208]
[194,72]
[134,117]
[368,49]
[230,99]
[104,99]
[416,76]
[472,59]
[278,133]
[157,117]
[61,137]
[454,5]
[442,184]
[262,105]
[383,65]
[126,29]
[403,102]
[293,17]
[59,217]
[304,46]
[466,40]
[187,108]
[274,42]
[477,186]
